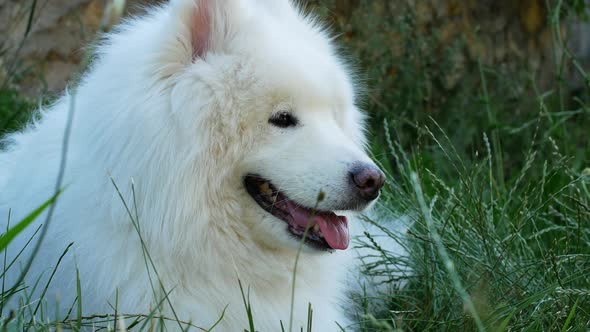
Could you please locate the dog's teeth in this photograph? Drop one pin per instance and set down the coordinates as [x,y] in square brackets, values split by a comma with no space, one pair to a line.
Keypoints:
[265,189]
[316,228]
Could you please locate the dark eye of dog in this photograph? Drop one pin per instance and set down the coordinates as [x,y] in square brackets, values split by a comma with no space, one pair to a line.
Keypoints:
[283,120]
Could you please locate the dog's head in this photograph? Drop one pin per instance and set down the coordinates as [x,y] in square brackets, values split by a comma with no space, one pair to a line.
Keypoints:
[261,86]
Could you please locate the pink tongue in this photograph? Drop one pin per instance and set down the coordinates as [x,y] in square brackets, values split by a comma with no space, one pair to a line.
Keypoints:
[333,227]
[335,230]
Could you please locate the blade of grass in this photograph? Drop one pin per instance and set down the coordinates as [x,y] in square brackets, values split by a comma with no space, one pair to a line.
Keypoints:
[448,263]
[146,253]
[309,317]
[7,237]
[571,315]
[4,268]
[219,320]
[248,306]
[79,296]
[320,198]
[505,322]
[42,296]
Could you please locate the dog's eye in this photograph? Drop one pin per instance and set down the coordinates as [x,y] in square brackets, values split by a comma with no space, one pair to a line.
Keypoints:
[283,120]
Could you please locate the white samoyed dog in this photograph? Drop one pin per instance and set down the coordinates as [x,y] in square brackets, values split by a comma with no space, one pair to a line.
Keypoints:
[221,122]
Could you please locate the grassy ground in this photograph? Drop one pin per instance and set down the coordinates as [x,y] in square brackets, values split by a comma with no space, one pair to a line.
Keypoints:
[496,183]
[487,252]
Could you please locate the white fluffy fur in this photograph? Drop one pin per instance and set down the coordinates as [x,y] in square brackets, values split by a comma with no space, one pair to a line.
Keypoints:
[186,130]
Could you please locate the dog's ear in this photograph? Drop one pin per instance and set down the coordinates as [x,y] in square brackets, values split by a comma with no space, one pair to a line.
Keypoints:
[200,27]
[207,22]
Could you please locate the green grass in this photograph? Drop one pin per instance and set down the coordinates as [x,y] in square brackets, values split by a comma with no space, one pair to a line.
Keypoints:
[493,174]
[515,256]
[497,184]
[14,111]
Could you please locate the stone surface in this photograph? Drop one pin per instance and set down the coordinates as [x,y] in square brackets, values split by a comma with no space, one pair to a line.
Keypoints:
[43,56]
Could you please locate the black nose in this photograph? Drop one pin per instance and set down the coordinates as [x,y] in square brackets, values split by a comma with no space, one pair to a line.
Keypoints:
[368,179]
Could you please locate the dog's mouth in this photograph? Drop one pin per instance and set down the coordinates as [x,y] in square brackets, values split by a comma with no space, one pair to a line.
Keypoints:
[327,230]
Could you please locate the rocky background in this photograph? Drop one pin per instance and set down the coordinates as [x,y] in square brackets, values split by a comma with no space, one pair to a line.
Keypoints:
[43,42]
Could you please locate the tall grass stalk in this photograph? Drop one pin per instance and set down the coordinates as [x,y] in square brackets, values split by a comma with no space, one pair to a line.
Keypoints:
[442,251]
[319,199]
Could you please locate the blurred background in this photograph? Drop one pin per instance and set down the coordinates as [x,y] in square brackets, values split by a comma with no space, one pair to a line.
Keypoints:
[48,37]
[479,108]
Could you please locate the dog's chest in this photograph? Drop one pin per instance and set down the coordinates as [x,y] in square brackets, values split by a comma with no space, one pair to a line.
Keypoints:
[319,297]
